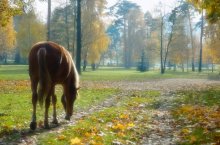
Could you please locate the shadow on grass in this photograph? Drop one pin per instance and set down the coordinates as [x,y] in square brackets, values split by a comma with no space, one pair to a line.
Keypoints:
[26,135]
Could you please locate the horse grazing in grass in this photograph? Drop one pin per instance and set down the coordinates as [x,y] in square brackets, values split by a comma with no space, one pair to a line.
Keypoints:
[51,64]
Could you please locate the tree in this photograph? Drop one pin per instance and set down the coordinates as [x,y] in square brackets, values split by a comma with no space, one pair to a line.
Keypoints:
[113,32]
[136,36]
[186,10]
[7,11]
[164,51]
[179,52]
[211,49]
[61,20]
[7,39]
[152,38]
[48,20]
[201,42]
[94,38]
[29,31]
[121,10]
[211,6]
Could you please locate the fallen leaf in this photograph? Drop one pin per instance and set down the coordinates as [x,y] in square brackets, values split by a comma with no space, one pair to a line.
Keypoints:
[193,139]
[61,137]
[75,141]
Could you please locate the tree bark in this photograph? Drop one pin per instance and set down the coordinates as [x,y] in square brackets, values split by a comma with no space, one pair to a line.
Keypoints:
[191,40]
[67,27]
[201,44]
[79,45]
[161,47]
[48,20]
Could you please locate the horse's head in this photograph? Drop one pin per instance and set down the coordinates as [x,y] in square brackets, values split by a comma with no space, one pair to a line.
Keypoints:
[69,102]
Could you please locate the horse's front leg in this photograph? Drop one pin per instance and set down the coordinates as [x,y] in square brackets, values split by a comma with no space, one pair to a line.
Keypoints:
[63,100]
[54,101]
[33,123]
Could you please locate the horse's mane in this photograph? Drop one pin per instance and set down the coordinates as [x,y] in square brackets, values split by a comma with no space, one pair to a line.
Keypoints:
[72,67]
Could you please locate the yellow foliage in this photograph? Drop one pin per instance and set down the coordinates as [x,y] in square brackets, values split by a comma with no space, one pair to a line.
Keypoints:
[185,131]
[30,31]
[75,141]
[95,40]
[124,116]
[61,137]
[131,125]
[192,139]
[119,126]
[7,12]
[7,36]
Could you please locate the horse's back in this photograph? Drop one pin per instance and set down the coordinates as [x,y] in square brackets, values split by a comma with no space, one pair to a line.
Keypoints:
[55,63]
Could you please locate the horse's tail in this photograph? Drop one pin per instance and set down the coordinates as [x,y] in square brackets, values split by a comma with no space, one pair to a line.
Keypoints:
[44,77]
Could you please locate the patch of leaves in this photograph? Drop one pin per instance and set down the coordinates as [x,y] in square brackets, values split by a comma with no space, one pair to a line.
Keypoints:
[199,117]
[121,124]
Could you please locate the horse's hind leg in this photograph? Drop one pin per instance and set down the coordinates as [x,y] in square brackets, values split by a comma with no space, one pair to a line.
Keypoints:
[47,105]
[54,101]
[34,83]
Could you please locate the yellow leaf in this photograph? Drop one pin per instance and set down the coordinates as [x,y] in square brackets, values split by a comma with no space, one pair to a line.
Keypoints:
[61,137]
[124,116]
[118,127]
[87,134]
[192,139]
[75,141]
[185,131]
[131,125]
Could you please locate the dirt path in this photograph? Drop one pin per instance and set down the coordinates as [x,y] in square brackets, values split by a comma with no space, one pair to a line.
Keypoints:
[161,128]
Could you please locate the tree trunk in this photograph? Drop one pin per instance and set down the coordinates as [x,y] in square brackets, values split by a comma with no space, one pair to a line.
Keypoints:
[48,20]
[125,46]
[79,45]
[191,40]
[84,64]
[67,27]
[161,47]
[212,67]
[168,46]
[201,45]
[74,30]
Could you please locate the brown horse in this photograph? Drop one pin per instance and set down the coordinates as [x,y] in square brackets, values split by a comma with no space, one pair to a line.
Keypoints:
[51,64]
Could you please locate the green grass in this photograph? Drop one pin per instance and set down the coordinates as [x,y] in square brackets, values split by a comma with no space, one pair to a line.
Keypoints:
[132,75]
[20,72]
[16,107]
[14,72]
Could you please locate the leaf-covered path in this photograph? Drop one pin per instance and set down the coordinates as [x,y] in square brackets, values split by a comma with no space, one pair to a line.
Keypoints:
[160,128]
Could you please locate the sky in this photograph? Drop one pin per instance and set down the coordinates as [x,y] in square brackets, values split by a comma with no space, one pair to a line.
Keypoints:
[146,5]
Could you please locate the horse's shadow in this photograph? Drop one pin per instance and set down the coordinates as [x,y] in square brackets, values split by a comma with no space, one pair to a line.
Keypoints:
[26,135]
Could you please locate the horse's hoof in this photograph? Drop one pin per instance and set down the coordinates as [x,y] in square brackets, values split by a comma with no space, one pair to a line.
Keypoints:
[33,125]
[67,117]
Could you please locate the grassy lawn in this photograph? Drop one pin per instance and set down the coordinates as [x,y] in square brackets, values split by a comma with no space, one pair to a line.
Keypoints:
[14,72]
[20,72]
[117,124]
[16,107]
[133,75]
